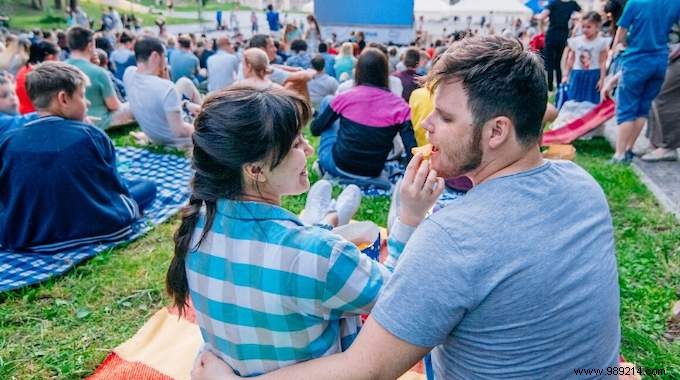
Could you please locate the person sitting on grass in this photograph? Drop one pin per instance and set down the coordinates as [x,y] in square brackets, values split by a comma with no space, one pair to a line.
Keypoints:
[322,84]
[268,288]
[163,109]
[256,70]
[9,107]
[370,116]
[60,185]
[105,109]
[515,280]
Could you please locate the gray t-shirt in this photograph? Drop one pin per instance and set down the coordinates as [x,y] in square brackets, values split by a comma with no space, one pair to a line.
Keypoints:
[222,70]
[150,97]
[321,86]
[515,280]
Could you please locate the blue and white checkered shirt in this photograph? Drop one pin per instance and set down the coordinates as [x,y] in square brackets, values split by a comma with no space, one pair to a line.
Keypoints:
[270,291]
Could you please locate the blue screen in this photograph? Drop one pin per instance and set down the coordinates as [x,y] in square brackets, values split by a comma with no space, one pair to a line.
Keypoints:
[364,12]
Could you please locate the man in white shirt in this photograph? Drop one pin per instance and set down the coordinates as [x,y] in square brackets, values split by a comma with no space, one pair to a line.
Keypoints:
[222,66]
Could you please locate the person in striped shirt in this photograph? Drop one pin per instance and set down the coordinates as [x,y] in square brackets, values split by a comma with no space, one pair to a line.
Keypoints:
[269,290]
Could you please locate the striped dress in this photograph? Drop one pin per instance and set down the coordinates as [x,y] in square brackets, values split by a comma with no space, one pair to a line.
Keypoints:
[270,291]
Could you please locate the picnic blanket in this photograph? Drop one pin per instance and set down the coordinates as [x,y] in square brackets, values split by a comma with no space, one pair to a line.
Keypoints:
[579,127]
[165,348]
[171,175]
[392,172]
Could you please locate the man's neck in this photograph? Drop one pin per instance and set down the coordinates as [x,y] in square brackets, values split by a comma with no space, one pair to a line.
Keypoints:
[146,70]
[497,168]
[79,54]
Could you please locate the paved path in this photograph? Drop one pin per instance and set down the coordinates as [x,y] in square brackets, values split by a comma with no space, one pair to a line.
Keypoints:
[661,178]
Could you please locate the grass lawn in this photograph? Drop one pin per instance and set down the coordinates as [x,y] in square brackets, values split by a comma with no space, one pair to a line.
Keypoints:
[23,17]
[212,5]
[65,327]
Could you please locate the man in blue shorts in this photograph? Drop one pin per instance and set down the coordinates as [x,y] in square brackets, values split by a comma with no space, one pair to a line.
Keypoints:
[515,280]
[644,27]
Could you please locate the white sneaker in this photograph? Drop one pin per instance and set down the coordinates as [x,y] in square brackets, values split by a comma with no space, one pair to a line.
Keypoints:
[318,202]
[660,155]
[348,203]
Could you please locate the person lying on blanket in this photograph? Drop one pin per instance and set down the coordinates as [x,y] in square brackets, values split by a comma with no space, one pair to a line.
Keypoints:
[268,289]
[60,187]
[517,279]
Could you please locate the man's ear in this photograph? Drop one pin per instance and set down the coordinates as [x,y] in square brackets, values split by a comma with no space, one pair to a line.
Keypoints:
[501,130]
[62,98]
[254,172]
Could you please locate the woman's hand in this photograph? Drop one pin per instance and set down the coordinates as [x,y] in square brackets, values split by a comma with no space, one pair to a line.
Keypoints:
[419,191]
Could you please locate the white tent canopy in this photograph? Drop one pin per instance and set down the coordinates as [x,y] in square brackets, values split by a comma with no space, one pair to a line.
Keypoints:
[308,7]
[431,7]
[479,7]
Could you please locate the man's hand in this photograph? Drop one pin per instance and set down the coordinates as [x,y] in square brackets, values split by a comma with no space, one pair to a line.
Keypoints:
[419,191]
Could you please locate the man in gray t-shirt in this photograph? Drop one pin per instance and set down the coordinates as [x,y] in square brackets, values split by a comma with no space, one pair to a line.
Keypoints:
[515,280]
[158,106]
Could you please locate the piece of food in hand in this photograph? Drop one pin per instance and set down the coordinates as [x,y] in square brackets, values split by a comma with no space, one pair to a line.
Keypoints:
[363,246]
[425,150]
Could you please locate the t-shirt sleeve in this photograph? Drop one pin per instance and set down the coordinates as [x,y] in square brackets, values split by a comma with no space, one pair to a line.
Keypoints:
[278,76]
[105,84]
[626,19]
[571,43]
[434,272]
[171,101]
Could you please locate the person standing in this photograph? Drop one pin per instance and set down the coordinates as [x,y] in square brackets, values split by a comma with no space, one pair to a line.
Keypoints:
[644,27]
[273,21]
[254,27]
[313,34]
[558,13]
[664,119]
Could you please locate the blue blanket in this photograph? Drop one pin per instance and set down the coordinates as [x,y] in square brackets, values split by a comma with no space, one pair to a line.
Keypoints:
[171,175]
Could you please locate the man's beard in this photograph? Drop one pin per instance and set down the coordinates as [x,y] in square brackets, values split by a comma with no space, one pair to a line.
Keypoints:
[469,157]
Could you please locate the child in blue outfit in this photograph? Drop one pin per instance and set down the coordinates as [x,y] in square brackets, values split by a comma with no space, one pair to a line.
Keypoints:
[586,69]
[644,27]
[9,107]
[60,187]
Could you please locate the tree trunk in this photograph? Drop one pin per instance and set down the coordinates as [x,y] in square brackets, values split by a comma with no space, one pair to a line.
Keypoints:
[58,4]
[36,4]
[73,4]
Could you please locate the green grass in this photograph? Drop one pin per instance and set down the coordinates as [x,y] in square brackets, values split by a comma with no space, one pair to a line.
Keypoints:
[189,6]
[65,327]
[23,17]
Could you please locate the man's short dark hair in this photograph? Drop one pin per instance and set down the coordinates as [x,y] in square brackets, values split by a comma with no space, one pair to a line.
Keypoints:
[125,37]
[500,78]
[318,63]
[323,48]
[258,41]
[45,81]
[184,42]
[78,37]
[298,46]
[145,46]
[411,58]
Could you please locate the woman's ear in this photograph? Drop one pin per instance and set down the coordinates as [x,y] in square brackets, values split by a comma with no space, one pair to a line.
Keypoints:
[254,172]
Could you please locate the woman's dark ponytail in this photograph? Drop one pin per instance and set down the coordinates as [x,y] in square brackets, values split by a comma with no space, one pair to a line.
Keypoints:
[176,278]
